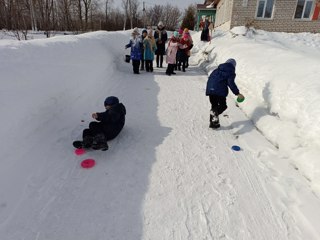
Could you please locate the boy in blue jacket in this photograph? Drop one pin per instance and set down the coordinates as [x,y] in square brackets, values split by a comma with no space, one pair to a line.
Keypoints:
[218,83]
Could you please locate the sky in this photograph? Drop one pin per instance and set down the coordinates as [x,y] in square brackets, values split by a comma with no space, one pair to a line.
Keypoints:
[182,4]
[167,175]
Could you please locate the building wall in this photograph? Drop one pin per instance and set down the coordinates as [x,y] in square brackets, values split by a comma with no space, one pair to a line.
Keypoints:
[224,15]
[244,12]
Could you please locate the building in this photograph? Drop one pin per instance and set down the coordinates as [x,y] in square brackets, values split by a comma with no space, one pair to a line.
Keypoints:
[269,15]
[205,10]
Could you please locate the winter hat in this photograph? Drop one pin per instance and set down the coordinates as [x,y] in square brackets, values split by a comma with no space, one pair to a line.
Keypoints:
[175,34]
[112,100]
[160,24]
[180,31]
[232,61]
[135,31]
[144,31]
[186,36]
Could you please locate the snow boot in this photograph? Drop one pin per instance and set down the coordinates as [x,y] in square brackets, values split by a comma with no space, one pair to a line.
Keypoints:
[214,120]
[87,141]
[100,142]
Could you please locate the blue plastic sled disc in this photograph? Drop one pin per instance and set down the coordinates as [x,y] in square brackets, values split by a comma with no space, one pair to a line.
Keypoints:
[235,148]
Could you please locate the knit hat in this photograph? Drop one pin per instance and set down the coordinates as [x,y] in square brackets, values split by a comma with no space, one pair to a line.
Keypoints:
[112,100]
[144,31]
[180,31]
[232,61]
[175,34]
[186,36]
[135,31]
[160,24]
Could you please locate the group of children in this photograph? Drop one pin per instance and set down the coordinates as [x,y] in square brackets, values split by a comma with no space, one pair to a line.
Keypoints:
[144,48]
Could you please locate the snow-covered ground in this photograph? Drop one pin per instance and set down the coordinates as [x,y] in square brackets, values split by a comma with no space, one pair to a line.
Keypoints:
[29,35]
[167,175]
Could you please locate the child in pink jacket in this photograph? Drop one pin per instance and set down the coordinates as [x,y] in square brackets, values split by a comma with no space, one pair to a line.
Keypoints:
[172,53]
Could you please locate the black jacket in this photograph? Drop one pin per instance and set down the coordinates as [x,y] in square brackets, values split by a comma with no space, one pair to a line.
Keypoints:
[161,37]
[113,120]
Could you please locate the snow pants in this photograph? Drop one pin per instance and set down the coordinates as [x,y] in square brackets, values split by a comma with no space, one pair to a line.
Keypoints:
[149,65]
[136,65]
[94,129]
[159,60]
[218,104]
[170,69]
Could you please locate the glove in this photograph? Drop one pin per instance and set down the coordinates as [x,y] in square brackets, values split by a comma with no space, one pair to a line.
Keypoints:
[94,115]
[240,95]
[240,98]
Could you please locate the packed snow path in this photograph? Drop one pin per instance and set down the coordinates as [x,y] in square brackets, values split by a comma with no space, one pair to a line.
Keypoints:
[200,188]
[167,176]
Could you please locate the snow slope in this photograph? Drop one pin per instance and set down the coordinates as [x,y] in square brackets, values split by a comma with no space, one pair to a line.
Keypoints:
[167,176]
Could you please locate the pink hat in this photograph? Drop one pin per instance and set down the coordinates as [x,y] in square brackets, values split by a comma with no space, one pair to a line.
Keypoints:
[180,31]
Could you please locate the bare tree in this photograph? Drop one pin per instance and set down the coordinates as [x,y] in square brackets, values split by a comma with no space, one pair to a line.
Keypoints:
[126,7]
[19,16]
[8,13]
[81,15]
[154,15]
[87,5]
[64,9]
[2,14]
[32,15]
[107,10]
[170,16]
[116,21]
[134,14]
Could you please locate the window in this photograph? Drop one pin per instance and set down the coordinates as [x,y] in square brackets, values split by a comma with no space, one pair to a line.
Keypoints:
[303,10]
[265,8]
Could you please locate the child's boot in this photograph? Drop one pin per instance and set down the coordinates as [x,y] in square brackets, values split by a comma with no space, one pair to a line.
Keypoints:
[100,142]
[87,141]
[214,120]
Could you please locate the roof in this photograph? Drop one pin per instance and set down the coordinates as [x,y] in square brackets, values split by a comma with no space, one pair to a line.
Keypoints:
[208,2]
[203,7]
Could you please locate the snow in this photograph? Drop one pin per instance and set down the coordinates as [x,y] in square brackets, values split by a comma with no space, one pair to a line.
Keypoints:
[166,176]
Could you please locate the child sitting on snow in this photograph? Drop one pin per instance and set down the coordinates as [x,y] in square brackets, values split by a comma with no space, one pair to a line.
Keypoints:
[217,89]
[109,125]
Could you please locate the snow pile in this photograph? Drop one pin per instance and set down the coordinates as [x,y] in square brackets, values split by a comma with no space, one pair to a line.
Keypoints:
[279,75]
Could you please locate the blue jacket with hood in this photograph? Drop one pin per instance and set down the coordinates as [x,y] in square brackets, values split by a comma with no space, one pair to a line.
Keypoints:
[136,46]
[220,79]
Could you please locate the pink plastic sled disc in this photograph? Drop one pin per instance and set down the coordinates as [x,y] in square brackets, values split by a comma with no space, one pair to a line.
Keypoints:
[88,163]
[80,151]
